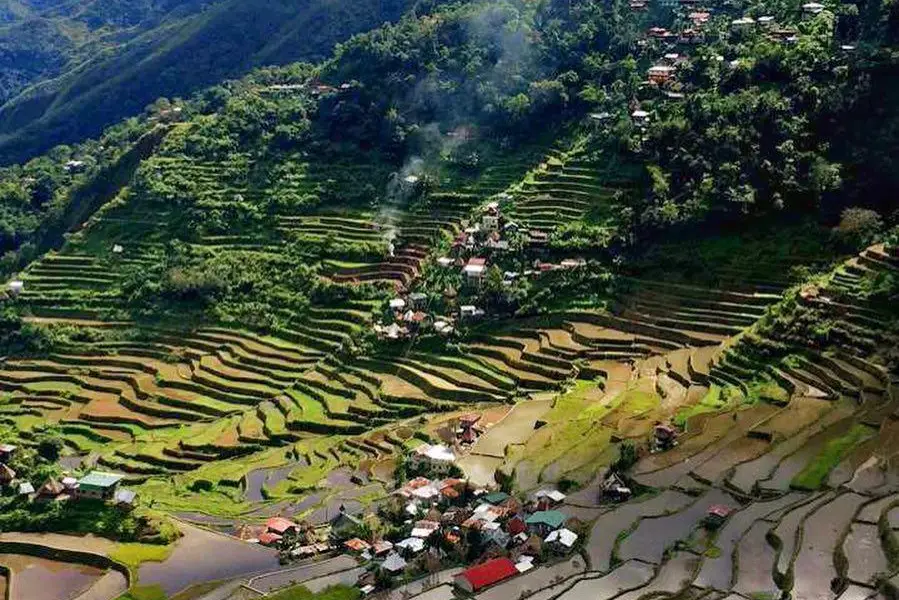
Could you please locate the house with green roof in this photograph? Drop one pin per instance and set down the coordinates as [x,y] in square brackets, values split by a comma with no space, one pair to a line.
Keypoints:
[496,498]
[543,522]
[99,485]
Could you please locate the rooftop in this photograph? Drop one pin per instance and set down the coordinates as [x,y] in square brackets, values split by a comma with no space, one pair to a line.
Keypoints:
[100,479]
[492,571]
[550,518]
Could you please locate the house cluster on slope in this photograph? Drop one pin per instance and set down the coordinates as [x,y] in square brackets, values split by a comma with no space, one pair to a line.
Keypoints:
[445,521]
[96,485]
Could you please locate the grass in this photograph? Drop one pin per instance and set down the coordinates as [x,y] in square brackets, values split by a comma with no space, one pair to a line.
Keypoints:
[815,473]
[711,402]
[338,592]
[144,592]
[133,555]
[574,434]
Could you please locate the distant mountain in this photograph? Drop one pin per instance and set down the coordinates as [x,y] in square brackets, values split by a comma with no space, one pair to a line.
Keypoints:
[68,69]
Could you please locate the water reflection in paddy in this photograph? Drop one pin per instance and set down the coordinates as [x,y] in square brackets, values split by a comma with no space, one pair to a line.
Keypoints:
[41,579]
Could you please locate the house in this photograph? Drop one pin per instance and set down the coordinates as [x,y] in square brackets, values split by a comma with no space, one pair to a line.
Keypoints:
[397,304]
[50,490]
[490,218]
[811,9]
[99,485]
[638,5]
[640,117]
[562,539]
[496,498]
[743,23]
[7,475]
[548,498]
[70,484]
[573,263]
[443,327]
[117,249]
[664,437]
[280,525]
[394,563]
[484,575]
[474,270]
[660,74]
[690,36]
[125,499]
[411,545]
[699,17]
[269,539]
[16,287]
[544,521]
[437,458]
[496,242]
[381,547]
[658,33]
[25,488]
[716,515]
[470,311]
[419,301]
[525,563]
[469,420]
[614,488]
[767,21]
[516,526]
[446,261]
[6,452]
[423,529]
[356,545]
[74,166]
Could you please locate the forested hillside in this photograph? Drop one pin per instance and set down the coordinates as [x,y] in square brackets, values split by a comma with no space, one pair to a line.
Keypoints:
[596,228]
[67,70]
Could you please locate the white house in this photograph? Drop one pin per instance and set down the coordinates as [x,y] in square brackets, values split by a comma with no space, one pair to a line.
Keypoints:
[16,287]
[438,458]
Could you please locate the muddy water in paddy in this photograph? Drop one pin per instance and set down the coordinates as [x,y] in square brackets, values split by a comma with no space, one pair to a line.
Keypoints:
[607,527]
[718,572]
[41,579]
[202,556]
[870,513]
[649,540]
[793,464]
[865,554]
[672,577]
[260,478]
[755,563]
[813,569]
[628,576]
[788,527]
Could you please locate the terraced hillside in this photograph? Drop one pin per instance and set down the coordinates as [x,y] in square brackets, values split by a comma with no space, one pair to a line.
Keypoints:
[217,333]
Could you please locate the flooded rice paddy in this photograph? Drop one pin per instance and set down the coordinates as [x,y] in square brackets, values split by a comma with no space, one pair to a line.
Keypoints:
[34,578]
[202,556]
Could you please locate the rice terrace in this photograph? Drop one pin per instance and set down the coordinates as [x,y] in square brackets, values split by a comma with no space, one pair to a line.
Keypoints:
[507,300]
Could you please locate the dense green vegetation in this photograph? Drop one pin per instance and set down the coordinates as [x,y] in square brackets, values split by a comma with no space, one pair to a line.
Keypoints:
[70,70]
[207,294]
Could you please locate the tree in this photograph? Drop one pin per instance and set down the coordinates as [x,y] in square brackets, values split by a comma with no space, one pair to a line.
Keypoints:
[49,447]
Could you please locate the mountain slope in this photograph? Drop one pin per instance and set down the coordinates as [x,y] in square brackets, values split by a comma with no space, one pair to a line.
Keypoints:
[173,56]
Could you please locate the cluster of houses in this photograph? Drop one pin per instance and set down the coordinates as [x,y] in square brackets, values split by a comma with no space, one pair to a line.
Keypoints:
[495,232]
[445,519]
[410,316]
[96,485]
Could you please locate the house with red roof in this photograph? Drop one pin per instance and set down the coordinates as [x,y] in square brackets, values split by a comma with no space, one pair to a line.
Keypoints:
[280,525]
[516,525]
[269,539]
[484,575]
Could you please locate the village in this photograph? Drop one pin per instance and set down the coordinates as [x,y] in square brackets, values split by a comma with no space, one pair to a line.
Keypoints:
[491,240]
[437,520]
